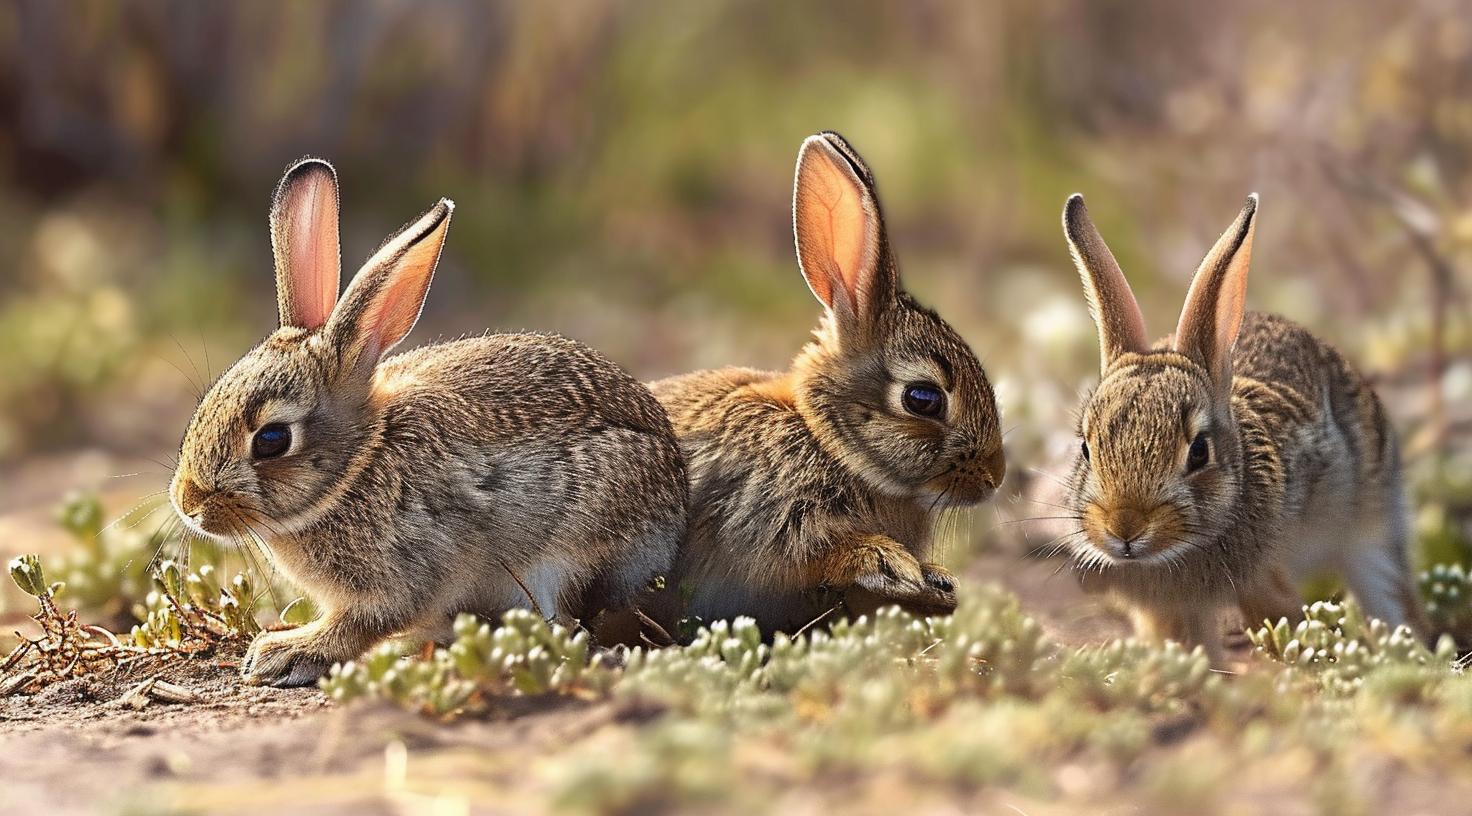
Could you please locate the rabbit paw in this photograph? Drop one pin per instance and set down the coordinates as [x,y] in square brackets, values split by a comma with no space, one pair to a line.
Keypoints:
[939,597]
[923,589]
[939,578]
[284,660]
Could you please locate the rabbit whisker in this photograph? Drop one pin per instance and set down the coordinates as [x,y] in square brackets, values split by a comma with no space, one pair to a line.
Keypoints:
[1038,518]
[172,528]
[247,545]
[1053,505]
[168,467]
[192,366]
[142,501]
[1054,477]
[198,391]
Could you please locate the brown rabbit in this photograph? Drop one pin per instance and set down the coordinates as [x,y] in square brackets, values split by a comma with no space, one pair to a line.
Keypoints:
[510,470]
[1225,463]
[828,476]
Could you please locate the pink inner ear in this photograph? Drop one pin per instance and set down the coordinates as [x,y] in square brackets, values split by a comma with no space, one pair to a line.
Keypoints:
[312,252]
[1232,307]
[1217,301]
[832,225]
[394,310]
[318,221]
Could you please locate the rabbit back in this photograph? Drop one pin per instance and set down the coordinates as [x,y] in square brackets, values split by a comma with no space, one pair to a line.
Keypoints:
[1343,507]
[509,466]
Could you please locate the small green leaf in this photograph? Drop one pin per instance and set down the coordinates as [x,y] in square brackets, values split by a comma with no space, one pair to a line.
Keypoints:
[26,571]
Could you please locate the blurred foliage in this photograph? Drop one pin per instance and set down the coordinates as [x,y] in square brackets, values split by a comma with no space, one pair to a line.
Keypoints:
[106,574]
[140,572]
[1447,589]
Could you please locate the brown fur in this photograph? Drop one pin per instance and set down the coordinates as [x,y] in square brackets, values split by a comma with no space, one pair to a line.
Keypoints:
[1303,474]
[817,478]
[453,477]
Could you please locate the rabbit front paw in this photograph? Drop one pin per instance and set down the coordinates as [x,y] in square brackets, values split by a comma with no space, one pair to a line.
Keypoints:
[939,597]
[285,660]
[893,574]
[939,578]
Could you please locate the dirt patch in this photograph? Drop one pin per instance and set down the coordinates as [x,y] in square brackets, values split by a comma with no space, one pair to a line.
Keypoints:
[102,704]
[48,738]
[80,747]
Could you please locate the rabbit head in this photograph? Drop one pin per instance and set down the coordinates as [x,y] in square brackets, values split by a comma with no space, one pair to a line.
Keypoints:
[1159,470]
[887,386]
[274,434]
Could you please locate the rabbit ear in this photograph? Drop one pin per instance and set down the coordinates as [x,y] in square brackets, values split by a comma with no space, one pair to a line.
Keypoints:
[840,234]
[1111,301]
[384,299]
[1217,300]
[304,240]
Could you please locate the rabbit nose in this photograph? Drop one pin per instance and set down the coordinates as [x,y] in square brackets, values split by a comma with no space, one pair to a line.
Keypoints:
[1126,524]
[996,467]
[190,495]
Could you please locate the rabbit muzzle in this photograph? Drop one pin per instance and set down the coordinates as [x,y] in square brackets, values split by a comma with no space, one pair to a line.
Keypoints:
[201,509]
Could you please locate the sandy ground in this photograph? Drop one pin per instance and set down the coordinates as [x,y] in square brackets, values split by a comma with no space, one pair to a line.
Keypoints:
[76,749]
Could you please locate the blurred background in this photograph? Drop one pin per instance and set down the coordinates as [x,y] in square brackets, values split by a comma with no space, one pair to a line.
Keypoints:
[623,176]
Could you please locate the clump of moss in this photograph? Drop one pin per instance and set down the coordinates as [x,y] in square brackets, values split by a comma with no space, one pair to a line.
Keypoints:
[1128,674]
[1338,646]
[524,655]
[988,648]
[984,698]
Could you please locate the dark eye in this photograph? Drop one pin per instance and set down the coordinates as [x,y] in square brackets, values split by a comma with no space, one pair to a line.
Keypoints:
[271,441]
[1084,449]
[1199,454]
[924,399]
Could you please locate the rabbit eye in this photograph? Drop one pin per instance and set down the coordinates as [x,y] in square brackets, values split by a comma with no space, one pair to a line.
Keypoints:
[271,441]
[924,399]
[1199,454]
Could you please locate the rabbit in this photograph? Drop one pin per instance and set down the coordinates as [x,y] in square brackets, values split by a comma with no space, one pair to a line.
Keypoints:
[507,470]
[1228,461]
[828,476]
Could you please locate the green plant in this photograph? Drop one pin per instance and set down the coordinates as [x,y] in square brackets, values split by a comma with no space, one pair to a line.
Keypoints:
[66,647]
[1128,674]
[187,615]
[524,655]
[1448,592]
[1338,646]
[194,612]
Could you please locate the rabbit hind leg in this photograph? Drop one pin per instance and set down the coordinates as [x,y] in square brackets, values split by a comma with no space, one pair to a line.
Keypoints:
[1378,572]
